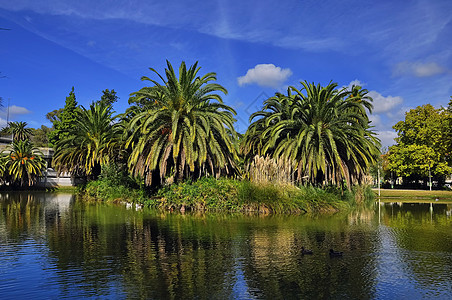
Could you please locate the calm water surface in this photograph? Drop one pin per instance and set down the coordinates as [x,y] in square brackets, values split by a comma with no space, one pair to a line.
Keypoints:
[52,247]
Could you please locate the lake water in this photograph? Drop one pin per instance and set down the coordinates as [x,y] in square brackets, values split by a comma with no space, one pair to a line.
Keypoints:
[53,247]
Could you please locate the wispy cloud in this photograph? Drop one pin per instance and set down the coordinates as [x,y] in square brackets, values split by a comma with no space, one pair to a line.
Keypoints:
[14,111]
[418,69]
[11,113]
[265,75]
[307,25]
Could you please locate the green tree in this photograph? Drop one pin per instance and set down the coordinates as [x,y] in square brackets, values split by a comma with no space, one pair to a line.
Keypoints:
[39,136]
[23,163]
[19,131]
[108,97]
[66,122]
[54,115]
[90,143]
[181,128]
[324,131]
[423,141]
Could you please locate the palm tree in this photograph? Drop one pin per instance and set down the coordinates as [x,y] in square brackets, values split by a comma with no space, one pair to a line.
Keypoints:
[181,128]
[19,131]
[257,139]
[326,132]
[360,95]
[23,162]
[90,144]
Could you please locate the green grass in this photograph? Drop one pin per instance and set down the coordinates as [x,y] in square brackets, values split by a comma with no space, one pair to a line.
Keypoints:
[390,195]
[209,194]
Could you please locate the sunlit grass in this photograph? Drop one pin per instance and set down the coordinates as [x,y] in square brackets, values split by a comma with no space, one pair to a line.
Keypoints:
[389,195]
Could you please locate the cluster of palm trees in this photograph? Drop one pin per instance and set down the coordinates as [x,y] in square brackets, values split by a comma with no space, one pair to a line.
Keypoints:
[323,131]
[179,128]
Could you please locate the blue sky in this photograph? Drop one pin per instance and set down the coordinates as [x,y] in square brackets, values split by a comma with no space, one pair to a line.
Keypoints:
[399,50]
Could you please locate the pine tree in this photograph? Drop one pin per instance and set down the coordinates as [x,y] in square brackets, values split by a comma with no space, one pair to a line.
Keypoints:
[67,120]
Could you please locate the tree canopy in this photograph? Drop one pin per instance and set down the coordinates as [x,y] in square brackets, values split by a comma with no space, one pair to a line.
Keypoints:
[423,142]
[180,127]
[108,97]
[324,131]
[64,123]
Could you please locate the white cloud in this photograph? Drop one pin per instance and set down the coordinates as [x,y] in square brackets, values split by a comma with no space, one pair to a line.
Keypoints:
[381,104]
[376,121]
[265,75]
[384,104]
[3,122]
[18,110]
[418,69]
[13,111]
[356,82]
[387,137]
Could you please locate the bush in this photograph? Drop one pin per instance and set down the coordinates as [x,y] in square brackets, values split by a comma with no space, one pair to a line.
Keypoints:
[206,193]
[115,184]
[210,194]
[233,195]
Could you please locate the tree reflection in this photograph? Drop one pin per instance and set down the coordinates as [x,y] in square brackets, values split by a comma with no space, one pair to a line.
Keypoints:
[101,250]
[424,241]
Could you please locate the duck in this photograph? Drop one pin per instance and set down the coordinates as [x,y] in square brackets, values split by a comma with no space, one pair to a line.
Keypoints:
[335,253]
[306,251]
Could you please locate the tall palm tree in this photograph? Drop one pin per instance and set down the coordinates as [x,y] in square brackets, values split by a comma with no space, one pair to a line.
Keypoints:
[325,131]
[19,131]
[23,162]
[181,127]
[258,139]
[90,144]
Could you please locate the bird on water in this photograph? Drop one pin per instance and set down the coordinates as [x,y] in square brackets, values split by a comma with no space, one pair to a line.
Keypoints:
[335,253]
[306,251]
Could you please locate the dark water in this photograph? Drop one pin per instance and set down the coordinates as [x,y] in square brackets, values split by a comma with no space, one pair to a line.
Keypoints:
[52,247]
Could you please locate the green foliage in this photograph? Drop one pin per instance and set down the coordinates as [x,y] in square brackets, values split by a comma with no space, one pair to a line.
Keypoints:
[325,131]
[22,163]
[423,142]
[108,97]
[268,198]
[114,183]
[100,189]
[233,195]
[64,123]
[39,136]
[181,128]
[54,115]
[19,131]
[206,193]
[89,143]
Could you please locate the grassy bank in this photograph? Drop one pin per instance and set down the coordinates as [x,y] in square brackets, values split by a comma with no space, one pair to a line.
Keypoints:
[209,194]
[391,195]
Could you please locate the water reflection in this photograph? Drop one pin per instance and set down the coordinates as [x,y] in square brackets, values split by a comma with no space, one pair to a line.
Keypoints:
[416,247]
[55,246]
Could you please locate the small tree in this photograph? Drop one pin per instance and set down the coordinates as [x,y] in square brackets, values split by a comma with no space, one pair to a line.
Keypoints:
[65,123]
[19,131]
[23,163]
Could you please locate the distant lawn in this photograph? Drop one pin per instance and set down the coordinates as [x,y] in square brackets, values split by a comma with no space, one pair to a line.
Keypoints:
[389,195]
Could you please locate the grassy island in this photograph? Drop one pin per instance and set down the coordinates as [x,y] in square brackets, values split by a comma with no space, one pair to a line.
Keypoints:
[176,148]
[210,194]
